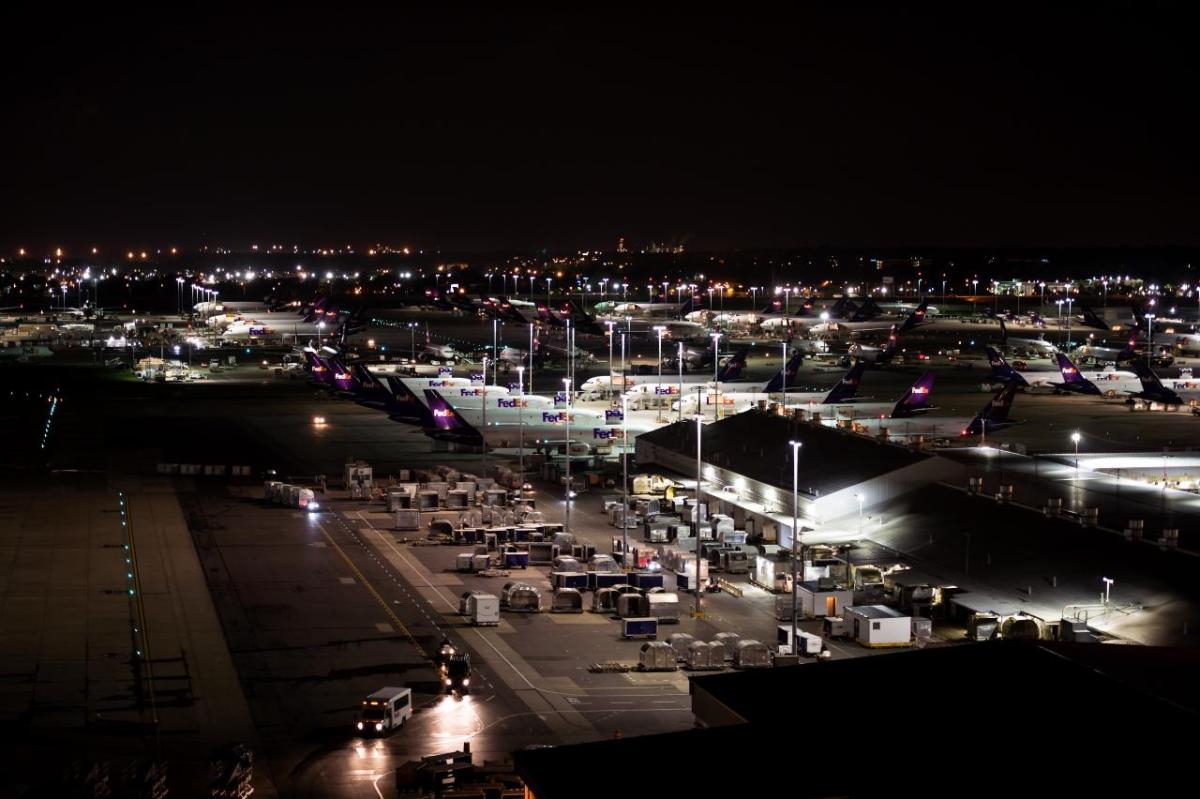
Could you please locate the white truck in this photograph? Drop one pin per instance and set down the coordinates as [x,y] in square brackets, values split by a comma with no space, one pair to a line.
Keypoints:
[384,711]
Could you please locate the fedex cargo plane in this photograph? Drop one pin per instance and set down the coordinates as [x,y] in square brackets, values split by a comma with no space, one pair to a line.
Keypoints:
[520,427]
[994,415]
[731,371]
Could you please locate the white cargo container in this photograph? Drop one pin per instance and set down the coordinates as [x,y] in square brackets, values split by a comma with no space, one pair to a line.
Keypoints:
[483,610]
[664,607]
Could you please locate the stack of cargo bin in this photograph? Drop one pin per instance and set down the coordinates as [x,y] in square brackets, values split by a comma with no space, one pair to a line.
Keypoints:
[680,642]
[704,656]
[728,641]
[657,656]
[751,654]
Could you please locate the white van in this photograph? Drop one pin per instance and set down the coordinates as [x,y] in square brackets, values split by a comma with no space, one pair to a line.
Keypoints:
[385,710]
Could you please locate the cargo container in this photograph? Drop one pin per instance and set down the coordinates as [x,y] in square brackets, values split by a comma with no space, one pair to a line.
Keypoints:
[645,580]
[656,656]
[639,628]
[598,580]
[566,600]
[664,607]
[484,610]
[575,580]
[809,644]
[751,654]
[632,605]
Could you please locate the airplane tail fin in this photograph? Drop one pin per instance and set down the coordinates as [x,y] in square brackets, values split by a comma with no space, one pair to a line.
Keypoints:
[889,349]
[688,306]
[1091,319]
[917,398]
[916,318]
[1072,376]
[1001,371]
[732,369]
[446,419]
[1146,375]
[994,413]
[847,387]
[786,375]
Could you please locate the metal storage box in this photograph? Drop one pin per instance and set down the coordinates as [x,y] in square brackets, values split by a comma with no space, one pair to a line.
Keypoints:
[495,497]
[516,559]
[657,656]
[566,600]
[464,562]
[480,562]
[521,597]
[639,628]
[703,656]
[597,580]
[542,553]
[427,500]
[751,654]
[604,600]
[269,489]
[728,641]
[646,580]
[565,563]
[680,642]
[407,519]
[484,610]
[459,500]
[583,552]
[603,563]
[576,580]
[632,605]
[664,607]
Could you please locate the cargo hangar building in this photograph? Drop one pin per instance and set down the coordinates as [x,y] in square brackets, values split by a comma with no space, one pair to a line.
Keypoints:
[746,466]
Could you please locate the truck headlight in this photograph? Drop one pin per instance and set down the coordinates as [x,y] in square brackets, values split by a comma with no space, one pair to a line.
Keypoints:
[360,726]
[447,681]
[466,681]
[378,727]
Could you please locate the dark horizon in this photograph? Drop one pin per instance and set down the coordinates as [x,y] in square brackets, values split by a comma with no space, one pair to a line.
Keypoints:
[487,131]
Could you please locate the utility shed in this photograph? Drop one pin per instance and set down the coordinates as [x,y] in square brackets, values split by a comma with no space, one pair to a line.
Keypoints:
[879,625]
[819,599]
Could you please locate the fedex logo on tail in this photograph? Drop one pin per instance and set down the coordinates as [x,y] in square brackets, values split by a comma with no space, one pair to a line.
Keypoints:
[920,390]
[443,413]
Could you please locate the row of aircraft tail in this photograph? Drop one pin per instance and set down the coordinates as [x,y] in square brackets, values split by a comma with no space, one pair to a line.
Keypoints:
[1073,381]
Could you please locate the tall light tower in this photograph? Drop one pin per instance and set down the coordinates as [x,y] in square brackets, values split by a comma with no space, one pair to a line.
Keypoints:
[698,612]
[658,398]
[567,512]
[521,421]
[796,567]
[716,384]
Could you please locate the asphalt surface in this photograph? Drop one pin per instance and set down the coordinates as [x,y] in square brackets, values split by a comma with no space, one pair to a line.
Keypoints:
[318,610]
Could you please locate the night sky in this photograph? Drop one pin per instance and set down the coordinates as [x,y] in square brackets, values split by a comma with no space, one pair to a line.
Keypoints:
[512,130]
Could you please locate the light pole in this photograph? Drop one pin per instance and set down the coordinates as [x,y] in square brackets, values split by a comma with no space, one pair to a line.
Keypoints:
[1149,338]
[698,613]
[943,292]
[1075,440]
[521,423]
[609,324]
[659,329]
[412,341]
[624,481]
[484,425]
[531,357]
[754,299]
[679,360]
[1108,581]
[796,567]
[716,384]
[1018,298]
[785,374]
[567,513]
[1069,300]
[320,331]
[859,497]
